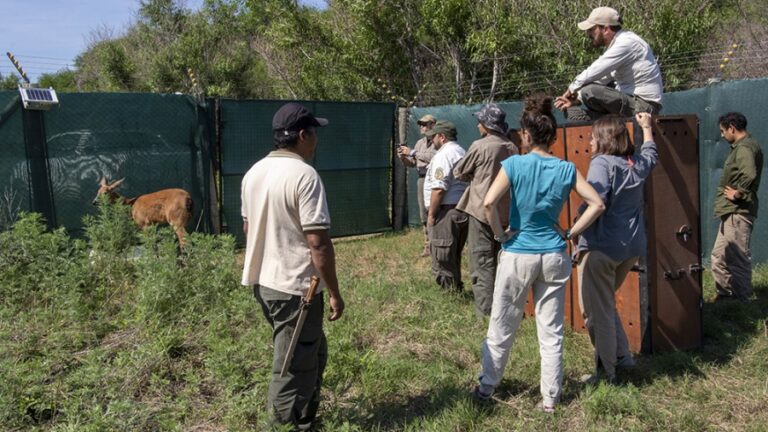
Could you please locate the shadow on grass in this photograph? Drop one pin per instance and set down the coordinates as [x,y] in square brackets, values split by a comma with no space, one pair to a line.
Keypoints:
[728,327]
[396,414]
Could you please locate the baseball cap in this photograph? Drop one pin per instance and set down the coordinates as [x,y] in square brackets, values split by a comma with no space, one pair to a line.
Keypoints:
[603,16]
[429,118]
[294,116]
[443,127]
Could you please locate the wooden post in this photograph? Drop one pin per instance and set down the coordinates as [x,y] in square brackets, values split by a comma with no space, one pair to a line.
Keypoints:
[399,176]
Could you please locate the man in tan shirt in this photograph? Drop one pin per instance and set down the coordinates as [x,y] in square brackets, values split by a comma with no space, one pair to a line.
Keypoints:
[286,222]
[480,166]
[420,156]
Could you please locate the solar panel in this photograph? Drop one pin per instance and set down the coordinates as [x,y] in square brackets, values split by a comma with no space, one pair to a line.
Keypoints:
[38,98]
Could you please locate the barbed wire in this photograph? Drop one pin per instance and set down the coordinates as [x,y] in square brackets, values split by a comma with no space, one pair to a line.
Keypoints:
[722,61]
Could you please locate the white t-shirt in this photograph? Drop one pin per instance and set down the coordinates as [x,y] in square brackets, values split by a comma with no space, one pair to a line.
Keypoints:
[282,197]
[440,174]
[630,62]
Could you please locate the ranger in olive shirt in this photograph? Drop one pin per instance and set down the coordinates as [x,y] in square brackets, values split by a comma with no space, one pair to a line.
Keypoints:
[420,156]
[480,166]
[736,205]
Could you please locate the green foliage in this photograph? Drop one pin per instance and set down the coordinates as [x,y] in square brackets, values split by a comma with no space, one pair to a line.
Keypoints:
[173,287]
[62,81]
[429,52]
[9,82]
[112,231]
[178,345]
[31,262]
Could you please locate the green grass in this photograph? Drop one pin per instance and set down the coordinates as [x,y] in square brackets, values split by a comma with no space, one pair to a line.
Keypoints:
[168,342]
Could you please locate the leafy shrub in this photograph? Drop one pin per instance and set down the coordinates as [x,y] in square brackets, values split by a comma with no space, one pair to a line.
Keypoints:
[32,262]
[112,231]
[183,286]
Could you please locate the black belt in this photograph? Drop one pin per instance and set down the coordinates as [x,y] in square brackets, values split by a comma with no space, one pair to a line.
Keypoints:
[422,175]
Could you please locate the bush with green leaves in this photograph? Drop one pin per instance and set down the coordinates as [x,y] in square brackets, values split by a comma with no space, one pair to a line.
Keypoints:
[32,262]
[175,286]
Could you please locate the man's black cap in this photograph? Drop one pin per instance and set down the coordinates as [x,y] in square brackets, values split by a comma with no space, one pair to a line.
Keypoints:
[293,116]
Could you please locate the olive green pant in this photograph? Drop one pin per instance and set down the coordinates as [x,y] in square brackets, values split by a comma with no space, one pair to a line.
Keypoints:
[446,241]
[732,258]
[294,399]
[483,255]
[599,100]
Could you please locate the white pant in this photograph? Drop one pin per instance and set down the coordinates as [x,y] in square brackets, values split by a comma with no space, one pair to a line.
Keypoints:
[547,273]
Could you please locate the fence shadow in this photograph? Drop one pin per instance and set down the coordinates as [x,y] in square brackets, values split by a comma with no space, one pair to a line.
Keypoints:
[728,327]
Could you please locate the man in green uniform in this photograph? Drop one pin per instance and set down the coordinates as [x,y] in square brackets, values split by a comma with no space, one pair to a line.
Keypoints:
[736,205]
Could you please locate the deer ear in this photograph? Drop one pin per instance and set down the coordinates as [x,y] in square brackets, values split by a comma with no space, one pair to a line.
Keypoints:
[103,181]
[117,183]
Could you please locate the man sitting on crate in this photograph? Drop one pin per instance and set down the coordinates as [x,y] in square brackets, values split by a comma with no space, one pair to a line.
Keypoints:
[628,63]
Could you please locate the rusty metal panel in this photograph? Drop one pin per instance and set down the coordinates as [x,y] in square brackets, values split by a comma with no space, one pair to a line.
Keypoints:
[672,201]
[628,295]
[578,151]
[674,237]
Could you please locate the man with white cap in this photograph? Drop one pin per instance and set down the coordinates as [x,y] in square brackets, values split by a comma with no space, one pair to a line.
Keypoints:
[479,166]
[420,156]
[628,62]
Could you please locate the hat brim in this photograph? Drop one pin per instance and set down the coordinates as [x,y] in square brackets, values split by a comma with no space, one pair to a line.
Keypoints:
[320,121]
[586,25]
[502,129]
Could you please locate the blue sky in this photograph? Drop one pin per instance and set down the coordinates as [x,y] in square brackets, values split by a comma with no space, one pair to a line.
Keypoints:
[47,35]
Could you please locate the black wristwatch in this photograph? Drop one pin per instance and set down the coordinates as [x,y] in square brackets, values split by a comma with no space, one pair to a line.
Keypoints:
[568,235]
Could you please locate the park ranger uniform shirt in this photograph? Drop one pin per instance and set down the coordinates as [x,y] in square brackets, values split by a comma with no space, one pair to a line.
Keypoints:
[282,197]
[479,166]
[440,174]
[423,152]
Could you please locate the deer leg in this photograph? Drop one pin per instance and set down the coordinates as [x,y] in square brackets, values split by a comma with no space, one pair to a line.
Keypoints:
[181,233]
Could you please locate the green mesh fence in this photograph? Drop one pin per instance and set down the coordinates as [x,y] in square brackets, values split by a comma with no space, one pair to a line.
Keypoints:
[747,97]
[154,141]
[354,159]
[15,190]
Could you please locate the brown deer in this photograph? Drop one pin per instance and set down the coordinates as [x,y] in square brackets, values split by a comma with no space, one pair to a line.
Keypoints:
[167,206]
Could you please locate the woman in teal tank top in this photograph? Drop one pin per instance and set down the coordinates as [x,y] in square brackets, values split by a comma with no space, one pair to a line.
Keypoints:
[533,252]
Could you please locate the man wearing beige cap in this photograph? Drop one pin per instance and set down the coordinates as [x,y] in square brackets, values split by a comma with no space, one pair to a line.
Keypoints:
[420,156]
[627,62]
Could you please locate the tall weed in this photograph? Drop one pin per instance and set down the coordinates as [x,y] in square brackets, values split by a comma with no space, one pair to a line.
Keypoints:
[32,262]
[183,287]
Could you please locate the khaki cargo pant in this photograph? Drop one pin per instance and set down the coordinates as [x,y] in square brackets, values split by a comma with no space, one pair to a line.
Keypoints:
[483,255]
[732,257]
[599,277]
[294,399]
[446,241]
[545,274]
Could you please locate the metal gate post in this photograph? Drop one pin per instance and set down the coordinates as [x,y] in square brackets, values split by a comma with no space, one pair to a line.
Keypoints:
[41,194]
